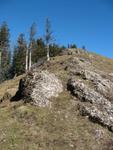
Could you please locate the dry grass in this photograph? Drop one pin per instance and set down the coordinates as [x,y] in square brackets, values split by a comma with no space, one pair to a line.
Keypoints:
[10,86]
[26,127]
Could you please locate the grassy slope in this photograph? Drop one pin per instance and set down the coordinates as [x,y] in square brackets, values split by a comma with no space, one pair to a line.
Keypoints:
[10,86]
[26,127]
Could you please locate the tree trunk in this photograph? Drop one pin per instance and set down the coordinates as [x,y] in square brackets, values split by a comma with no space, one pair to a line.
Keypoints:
[0,58]
[26,60]
[30,59]
[48,55]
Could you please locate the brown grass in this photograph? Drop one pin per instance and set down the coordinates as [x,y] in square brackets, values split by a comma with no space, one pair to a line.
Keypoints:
[10,86]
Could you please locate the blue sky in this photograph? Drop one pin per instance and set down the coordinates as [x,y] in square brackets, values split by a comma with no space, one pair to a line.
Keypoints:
[84,22]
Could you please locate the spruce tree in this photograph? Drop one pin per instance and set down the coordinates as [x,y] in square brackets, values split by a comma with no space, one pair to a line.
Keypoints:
[39,50]
[19,57]
[5,50]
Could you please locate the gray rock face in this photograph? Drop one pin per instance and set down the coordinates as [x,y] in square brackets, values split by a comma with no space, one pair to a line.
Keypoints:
[46,85]
[95,105]
[84,93]
[38,87]
[93,90]
[104,86]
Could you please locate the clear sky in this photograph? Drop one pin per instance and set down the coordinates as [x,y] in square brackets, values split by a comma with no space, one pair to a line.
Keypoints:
[84,22]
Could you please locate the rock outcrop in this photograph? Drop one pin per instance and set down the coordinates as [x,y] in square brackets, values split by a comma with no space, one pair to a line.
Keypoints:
[38,87]
[96,106]
[104,86]
[93,90]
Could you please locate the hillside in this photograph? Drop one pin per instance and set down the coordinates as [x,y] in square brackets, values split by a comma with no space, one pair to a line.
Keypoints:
[80,118]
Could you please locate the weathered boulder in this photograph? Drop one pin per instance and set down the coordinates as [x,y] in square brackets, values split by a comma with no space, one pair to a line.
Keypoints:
[38,87]
[95,105]
[84,93]
[102,85]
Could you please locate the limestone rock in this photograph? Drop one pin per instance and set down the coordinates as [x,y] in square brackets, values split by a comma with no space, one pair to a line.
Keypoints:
[38,87]
[95,105]
[102,85]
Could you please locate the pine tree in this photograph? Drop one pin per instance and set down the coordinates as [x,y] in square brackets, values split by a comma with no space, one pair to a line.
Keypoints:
[55,50]
[19,57]
[39,50]
[73,46]
[5,50]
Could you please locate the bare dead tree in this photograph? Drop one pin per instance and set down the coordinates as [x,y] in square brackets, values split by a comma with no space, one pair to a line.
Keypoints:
[48,37]
[0,57]
[30,49]
[27,61]
[32,34]
[0,54]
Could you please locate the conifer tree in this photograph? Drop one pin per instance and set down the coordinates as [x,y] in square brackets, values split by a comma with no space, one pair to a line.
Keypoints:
[5,50]
[19,56]
[39,50]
